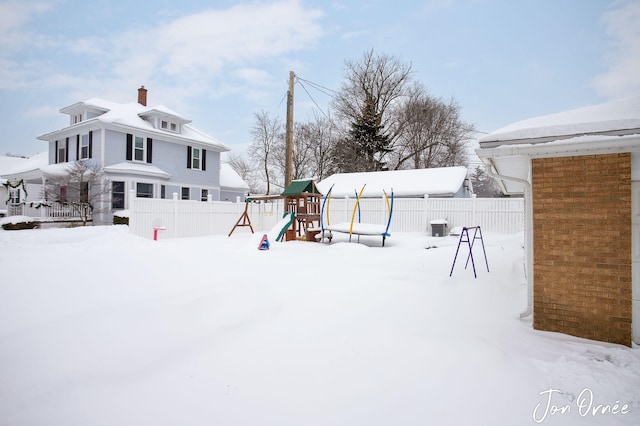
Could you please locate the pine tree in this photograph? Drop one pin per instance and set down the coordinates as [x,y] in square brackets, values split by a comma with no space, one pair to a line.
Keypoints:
[370,142]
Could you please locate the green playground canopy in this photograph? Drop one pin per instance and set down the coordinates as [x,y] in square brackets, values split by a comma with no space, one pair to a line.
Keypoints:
[298,187]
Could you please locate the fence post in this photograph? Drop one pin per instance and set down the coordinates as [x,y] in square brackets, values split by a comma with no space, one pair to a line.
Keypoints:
[211,213]
[426,213]
[174,197]
[473,210]
[132,213]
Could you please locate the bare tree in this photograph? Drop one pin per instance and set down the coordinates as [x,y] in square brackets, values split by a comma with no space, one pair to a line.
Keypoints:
[247,172]
[372,86]
[323,137]
[430,132]
[268,144]
[81,186]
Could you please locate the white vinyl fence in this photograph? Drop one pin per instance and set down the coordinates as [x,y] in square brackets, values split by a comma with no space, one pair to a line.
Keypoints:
[178,219]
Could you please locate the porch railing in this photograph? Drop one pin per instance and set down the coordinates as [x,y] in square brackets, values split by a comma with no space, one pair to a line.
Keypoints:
[52,210]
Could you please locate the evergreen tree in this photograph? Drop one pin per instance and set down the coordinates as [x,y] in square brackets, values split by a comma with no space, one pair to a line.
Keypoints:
[366,144]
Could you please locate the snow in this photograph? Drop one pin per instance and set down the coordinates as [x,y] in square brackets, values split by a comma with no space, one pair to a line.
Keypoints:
[136,168]
[619,114]
[230,179]
[358,228]
[13,165]
[99,327]
[130,114]
[16,219]
[405,183]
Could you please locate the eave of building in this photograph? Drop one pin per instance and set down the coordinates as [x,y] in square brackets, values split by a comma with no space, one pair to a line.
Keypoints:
[513,160]
[552,138]
[169,116]
[79,107]
[97,124]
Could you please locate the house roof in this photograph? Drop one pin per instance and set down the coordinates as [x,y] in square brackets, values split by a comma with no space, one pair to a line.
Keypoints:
[23,166]
[605,128]
[442,181]
[130,116]
[137,169]
[617,117]
[230,180]
[297,187]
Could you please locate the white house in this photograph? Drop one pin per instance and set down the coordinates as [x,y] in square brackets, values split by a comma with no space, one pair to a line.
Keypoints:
[152,150]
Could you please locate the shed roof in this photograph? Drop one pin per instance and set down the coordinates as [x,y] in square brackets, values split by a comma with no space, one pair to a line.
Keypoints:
[441,181]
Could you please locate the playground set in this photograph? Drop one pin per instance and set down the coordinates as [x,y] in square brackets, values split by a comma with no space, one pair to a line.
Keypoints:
[306,218]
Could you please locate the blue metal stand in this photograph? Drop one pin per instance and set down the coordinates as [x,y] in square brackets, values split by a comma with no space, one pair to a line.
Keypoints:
[464,238]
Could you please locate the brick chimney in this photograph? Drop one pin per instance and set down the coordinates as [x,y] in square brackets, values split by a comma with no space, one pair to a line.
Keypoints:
[142,96]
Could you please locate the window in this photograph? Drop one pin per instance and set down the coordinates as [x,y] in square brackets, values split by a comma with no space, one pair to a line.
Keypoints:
[144,190]
[168,125]
[84,148]
[84,192]
[63,194]
[204,196]
[138,149]
[61,151]
[14,196]
[186,193]
[76,118]
[117,195]
[163,191]
[196,158]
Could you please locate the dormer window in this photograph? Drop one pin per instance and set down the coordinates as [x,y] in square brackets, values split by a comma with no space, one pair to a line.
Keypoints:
[168,125]
[76,118]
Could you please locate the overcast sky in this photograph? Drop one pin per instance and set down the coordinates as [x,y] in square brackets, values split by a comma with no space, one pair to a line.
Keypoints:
[219,62]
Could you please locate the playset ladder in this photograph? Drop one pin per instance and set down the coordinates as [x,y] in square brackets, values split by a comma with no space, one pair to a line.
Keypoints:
[464,238]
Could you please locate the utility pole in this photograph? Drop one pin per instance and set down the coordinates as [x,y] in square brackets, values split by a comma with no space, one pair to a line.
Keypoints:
[288,170]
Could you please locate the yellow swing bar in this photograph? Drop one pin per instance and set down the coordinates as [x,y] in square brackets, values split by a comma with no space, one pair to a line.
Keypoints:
[355,209]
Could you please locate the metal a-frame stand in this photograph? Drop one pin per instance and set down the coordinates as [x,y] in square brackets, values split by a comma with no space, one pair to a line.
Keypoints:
[464,238]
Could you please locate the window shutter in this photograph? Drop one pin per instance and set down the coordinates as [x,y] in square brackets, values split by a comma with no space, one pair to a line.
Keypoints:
[55,155]
[77,147]
[149,150]
[66,151]
[91,144]
[188,157]
[129,146]
[204,159]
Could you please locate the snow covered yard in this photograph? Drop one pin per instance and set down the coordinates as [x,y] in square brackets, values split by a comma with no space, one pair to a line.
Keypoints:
[99,327]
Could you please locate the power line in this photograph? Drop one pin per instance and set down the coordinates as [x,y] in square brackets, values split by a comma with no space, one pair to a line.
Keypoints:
[313,100]
[318,87]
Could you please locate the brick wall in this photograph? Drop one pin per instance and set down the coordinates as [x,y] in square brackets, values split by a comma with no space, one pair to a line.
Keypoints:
[582,246]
